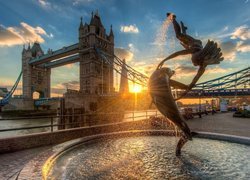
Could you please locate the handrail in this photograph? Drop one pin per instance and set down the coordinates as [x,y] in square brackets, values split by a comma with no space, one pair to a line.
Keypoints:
[85,114]
[147,114]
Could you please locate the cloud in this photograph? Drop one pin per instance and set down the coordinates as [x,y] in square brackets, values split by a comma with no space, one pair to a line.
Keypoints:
[25,33]
[143,67]
[71,85]
[229,50]
[185,70]
[124,54]
[242,33]
[129,29]
[44,4]
[216,70]
[243,46]
[61,88]
[240,42]
[78,2]
[132,48]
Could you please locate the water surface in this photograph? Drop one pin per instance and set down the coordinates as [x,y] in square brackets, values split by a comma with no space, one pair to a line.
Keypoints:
[153,157]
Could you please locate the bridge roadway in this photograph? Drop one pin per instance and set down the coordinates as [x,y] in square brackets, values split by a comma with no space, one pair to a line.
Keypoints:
[12,163]
[61,62]
[57,62]
[217,93]
[60,53]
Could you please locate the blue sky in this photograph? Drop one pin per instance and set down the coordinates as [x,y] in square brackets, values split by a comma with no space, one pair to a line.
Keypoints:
[136,25]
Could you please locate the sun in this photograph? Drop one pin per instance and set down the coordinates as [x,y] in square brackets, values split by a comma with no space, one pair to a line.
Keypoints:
[136,88]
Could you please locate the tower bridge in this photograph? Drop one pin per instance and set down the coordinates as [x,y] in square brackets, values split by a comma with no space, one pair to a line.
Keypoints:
[95,77]
[95,53]
[37,65]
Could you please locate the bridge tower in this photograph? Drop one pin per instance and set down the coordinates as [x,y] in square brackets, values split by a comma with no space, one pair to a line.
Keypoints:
[96,76]
[35,79]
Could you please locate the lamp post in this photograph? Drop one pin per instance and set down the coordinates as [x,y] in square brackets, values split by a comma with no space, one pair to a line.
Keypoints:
[135,103]
[200,104]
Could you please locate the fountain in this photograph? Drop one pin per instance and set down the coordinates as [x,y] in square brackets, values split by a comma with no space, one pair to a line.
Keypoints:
[160,82]
[150,157]
[149,154]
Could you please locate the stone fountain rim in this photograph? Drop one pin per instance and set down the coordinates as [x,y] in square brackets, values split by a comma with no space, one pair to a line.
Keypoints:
[35,168]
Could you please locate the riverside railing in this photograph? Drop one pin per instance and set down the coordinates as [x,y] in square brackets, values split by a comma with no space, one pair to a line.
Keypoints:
[35,124]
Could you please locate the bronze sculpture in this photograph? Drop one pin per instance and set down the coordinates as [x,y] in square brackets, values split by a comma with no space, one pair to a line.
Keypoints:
[160,82]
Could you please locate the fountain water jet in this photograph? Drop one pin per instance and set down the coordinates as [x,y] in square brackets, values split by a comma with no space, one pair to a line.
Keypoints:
[160,82]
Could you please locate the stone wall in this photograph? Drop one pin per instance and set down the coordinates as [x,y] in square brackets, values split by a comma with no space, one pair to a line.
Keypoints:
[19,104]
[42,139]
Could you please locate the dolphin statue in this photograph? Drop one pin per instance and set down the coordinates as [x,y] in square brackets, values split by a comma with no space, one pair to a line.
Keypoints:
[160,82]
[160,90]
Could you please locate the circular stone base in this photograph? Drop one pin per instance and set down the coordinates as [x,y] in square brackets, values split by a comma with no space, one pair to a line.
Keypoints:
[41,166]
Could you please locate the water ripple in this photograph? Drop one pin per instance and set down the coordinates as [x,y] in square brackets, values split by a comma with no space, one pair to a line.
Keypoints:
[153,157]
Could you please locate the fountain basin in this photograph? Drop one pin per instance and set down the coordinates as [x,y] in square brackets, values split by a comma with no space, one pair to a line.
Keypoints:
[135,155]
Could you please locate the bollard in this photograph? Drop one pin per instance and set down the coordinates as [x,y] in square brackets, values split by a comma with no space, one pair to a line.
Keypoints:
[51,124]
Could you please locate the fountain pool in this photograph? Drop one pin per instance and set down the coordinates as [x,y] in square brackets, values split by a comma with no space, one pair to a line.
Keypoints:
[151,157]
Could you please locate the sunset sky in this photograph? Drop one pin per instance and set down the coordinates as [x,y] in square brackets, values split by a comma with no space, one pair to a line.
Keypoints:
[136,26]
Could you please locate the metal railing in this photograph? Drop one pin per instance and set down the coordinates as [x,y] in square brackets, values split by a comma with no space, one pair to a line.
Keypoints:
[61,122]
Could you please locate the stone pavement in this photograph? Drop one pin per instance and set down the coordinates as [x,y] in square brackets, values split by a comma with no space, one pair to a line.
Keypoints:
[223,123]
[12,163]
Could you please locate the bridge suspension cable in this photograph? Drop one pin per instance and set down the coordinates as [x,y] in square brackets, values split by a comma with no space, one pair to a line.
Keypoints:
[225,82]
[117,63]
[6,98]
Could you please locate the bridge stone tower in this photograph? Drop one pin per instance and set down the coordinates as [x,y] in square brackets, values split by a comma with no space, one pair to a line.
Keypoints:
[96,76]
[35,79]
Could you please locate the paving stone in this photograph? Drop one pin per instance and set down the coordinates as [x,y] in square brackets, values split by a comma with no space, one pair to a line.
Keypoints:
[12,163]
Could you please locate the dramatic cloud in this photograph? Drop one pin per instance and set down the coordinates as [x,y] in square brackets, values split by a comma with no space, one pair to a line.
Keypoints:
[129,29]
[124,54]
[240,42]
[229,50]
[242,33]
[23,34]
[243,46]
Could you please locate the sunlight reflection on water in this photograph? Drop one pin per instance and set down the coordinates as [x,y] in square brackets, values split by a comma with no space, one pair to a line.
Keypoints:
[153,157]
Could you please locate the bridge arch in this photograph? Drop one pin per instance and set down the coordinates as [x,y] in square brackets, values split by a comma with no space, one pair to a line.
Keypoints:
[37,95]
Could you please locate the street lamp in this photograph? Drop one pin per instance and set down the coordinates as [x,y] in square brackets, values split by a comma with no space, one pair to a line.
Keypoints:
[200,104]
